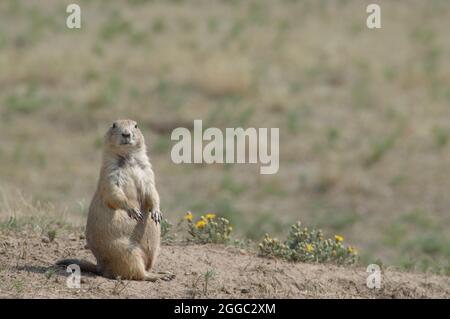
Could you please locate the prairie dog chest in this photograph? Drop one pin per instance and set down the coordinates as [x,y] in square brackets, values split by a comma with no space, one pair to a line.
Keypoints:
[133,177]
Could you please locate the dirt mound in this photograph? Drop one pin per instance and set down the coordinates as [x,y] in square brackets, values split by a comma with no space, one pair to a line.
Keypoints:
[202,271]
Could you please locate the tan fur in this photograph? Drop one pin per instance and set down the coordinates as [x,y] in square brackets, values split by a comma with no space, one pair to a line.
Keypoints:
[124,245]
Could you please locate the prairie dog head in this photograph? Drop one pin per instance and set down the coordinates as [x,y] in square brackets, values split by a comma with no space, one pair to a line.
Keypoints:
[124,137]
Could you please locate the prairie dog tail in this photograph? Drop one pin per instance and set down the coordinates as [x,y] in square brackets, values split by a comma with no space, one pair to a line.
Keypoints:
[85,265]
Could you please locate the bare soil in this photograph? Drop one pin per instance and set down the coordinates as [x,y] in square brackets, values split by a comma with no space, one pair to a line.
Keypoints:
[202,271]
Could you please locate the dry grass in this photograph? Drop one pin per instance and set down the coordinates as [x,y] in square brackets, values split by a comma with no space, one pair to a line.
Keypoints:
[362,114]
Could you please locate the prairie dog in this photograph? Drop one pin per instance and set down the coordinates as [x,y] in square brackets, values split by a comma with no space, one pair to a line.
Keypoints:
[123,225]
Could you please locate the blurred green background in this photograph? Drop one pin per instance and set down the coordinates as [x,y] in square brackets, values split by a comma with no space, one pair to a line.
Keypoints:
[363,114]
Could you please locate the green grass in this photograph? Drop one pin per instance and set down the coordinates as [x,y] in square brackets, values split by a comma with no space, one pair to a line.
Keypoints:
[441,136]
[11,223]
[115,26]
[379,149]
[293,122]
[232,187]
[339,221]
[27,102]
[18,286]
[44,223]
[162,145]
[418,218]
[430,244]
[51,233]
[158,25]
[273,189]
[266,222]
[49,273]
[225,207]
[394,234]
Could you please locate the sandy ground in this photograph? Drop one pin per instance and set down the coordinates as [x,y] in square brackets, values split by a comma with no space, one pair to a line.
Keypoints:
[202,271]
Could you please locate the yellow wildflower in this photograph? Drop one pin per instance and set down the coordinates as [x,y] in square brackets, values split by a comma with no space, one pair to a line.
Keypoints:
[200,224]
[309,248]
[188,216]
[338,238]
[210,216]
[352,250]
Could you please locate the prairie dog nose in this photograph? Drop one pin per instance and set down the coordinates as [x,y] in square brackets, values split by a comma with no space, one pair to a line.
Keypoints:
[126,134]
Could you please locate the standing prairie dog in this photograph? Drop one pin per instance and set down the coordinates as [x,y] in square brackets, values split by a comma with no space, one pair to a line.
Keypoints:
[123,225]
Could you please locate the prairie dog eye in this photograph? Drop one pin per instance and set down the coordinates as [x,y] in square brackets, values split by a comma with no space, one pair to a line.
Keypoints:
[114,125]
[135,126]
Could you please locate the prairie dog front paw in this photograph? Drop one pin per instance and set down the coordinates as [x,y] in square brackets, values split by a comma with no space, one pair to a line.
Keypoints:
[135,213]
[156,216]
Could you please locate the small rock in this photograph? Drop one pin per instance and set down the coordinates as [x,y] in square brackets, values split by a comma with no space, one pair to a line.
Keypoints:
[245,290]
[226,290]
[45,240]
